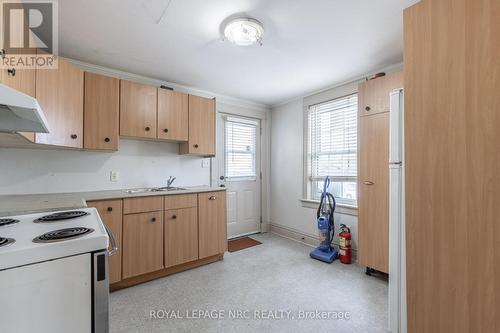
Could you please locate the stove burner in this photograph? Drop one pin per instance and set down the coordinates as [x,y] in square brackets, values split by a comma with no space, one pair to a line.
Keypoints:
[62,235]
[61,216]
[6,241]
[4,222]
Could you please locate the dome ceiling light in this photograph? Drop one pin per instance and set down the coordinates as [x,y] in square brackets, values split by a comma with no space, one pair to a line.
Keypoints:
[244,31]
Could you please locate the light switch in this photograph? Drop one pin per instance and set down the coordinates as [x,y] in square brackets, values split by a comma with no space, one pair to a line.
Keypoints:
[114,176]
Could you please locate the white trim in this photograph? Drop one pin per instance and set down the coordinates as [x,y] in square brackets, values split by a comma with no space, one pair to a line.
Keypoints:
[340,208]
[157,82]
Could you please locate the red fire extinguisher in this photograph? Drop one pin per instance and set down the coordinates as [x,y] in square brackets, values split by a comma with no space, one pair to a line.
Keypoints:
[345,244]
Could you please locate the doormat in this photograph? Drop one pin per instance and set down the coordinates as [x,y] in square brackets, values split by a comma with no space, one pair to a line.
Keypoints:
[241,243]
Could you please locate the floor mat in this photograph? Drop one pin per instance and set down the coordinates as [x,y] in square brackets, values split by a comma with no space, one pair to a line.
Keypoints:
[241,244]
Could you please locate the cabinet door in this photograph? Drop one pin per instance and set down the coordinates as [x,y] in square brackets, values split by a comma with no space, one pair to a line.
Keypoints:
[111,214]
[60,94]
[137,110]
[181,236]
[373,200]
[201,127]
[142,243]
[373,95]
[22,80]
[212,223]
[173,115]
[101,114]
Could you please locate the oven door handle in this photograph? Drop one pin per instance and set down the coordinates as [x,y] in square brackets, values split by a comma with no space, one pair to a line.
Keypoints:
[114,246]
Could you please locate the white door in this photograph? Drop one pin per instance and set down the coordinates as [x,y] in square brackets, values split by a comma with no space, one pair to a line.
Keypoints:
[237,167]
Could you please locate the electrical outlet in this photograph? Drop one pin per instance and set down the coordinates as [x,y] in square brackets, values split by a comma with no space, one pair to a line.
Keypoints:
[114,176]
[205,163]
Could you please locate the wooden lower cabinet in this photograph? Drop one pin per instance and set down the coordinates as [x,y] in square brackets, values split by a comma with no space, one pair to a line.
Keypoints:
[181,236]
[111,215]
[142,243]
[212,223]
[373,198]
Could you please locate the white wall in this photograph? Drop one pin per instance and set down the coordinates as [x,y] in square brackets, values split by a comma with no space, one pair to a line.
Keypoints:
[287,175]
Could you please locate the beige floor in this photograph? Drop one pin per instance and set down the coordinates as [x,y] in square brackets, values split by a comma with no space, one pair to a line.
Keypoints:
[275,276]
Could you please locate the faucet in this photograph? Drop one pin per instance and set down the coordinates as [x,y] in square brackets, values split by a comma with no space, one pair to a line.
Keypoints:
[170,181]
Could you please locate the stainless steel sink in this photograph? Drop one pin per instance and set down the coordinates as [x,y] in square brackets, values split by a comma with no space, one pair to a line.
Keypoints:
[138,190]
[167,189]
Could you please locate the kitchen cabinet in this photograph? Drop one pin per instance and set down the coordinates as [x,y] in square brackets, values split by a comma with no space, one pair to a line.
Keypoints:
[22,80]
[201,139]
[110,212]
[101,112]
[173,115]
[138,110]
[373,198]
[60,95]
[142,204]
[212,223]
[181,236]
[142,243]
[373,95]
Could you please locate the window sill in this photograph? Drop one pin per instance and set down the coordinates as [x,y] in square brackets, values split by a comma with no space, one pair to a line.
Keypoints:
[341,208]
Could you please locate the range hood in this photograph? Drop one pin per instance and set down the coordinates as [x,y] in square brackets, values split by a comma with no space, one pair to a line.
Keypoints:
[20,112]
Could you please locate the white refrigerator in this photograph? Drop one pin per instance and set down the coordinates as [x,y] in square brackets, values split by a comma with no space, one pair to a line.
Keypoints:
[397,241]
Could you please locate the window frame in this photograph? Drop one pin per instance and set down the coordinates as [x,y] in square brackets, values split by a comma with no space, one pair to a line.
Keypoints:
[307,200]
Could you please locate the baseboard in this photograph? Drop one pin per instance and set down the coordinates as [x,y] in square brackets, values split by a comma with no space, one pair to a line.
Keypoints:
[301,237]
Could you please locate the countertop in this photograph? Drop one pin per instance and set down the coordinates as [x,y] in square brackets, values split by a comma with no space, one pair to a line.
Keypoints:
[32,203]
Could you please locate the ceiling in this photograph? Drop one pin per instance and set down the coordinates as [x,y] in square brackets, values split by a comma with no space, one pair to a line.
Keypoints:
[308,44]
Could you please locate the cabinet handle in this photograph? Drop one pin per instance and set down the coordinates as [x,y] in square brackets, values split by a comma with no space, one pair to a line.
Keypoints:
[174,217]
[110,209]
[368,108]
[107,139]
[147,129]
[368,183]
[196,146]
[153,220]
[74,136]
[165,130]
[11,71]
[212,198]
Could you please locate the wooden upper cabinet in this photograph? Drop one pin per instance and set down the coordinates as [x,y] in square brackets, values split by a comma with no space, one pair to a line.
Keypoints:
[60,95]
[110,212]
[138,110]
[212,223]
[373,198]
[173,115]
[101,112]
[201,127]
[373,95]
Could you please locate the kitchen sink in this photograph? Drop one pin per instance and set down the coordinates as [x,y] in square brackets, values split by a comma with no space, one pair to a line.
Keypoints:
[138,190]
[154,189]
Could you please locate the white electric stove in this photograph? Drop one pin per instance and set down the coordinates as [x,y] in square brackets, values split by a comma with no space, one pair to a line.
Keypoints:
[53,267]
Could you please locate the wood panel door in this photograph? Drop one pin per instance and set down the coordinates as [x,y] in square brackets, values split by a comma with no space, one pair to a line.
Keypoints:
[201,127]
[22,80]
[101,112]
[60,95]
[212,223]
[181,236]
[373,95]
[173,115]
[111,214]
[137,110]
[373,198]
[142,243]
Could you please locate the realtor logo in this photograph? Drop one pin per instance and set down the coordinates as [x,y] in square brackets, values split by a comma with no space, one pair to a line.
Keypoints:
[29,36]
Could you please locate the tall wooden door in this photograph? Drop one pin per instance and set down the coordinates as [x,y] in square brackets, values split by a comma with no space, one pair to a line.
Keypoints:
[137,110]
[373,198]
[101,113]
[452,157]
[212,223]
[60,94]
[110,212]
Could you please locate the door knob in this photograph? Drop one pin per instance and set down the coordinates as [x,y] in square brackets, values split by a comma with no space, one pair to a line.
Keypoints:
[165,130]
[222,177]
[11,71]
[196,146]
[110,209]
[174,217]
[74,136]
[147,129]
[368,108]
[212,198]
[153,219]
[107,139]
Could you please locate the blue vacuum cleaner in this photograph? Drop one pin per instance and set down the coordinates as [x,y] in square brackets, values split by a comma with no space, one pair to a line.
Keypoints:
[325,251]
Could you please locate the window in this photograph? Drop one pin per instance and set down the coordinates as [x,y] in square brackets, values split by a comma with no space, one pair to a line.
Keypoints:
[332,149]
[240,148]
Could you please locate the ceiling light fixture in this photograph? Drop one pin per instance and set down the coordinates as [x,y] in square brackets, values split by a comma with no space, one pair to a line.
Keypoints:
[244,31]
